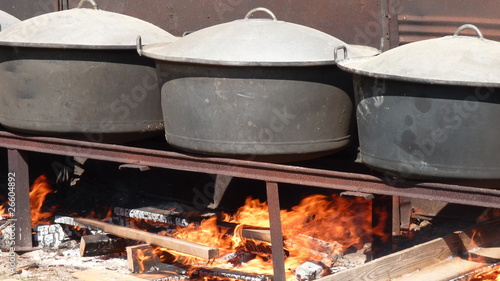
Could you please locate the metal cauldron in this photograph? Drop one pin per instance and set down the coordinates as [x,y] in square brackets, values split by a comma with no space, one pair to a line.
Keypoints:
[428,109]
[255,88]
[76,74]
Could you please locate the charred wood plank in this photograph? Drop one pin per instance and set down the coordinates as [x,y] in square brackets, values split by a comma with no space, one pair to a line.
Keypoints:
[177,218]
[102,244]
[144,259]
[158,215]
[201,272]
[179,245]
[141,258]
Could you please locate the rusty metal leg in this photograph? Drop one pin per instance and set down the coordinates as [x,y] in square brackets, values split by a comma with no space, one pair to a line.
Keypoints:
[396,216]
[276,231]
[18,169]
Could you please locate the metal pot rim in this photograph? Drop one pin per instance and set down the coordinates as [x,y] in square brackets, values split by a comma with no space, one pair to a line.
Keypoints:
[254,42]
[344,65]
[151,52]
[451,60]
[82,28]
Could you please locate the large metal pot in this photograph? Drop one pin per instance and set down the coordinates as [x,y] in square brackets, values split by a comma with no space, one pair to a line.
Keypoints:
[429,109]
[257,88]
[76,74]
[7,20]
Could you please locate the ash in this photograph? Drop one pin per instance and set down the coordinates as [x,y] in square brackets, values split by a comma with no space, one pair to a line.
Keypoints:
[59,263]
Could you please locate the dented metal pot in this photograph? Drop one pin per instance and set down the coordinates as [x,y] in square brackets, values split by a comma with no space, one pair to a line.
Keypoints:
[428,109]
[76,74]
[257,88]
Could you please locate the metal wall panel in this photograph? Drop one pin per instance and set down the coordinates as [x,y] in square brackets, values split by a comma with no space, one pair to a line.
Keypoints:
[354,21]
[424,19]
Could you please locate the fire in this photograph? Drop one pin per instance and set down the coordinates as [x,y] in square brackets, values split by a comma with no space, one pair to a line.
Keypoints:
[487,275]
[2,210]
[319,229]
[39,191]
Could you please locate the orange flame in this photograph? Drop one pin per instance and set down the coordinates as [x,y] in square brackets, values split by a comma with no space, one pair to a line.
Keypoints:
[319,227]
[487,275]
[2,210]
[39,191]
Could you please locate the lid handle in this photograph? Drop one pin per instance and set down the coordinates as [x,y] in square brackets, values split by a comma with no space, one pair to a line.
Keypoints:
[265,10]
[336,50]
[94,4]
[138,43]
[469,26]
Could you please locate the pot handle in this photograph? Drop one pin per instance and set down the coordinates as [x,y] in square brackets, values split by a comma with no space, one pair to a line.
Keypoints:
[265,10]
[469,26]
[138,42]
[336,50]
[94,4]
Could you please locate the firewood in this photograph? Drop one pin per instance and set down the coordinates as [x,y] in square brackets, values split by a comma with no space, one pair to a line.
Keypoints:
[102,244]
[176,218]
[179,245]
[141,258]
[157,215]
[225,273]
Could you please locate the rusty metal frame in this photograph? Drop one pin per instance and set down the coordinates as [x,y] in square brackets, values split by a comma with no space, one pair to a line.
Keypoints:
[267,172]
[272,174]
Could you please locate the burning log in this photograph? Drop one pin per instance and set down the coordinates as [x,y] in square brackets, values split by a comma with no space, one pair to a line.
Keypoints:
[177,218]
[141,258]
[101,244]
[157,215]
[64,220]
[159,240]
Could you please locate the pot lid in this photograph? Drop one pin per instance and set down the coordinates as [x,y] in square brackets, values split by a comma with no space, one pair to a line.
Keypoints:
[83,29]
[6,20]
[253,41]
[454,60]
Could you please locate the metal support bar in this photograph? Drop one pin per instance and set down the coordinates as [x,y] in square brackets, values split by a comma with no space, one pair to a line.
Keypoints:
[18,171]
[276,231]
[396,216]
[467,195]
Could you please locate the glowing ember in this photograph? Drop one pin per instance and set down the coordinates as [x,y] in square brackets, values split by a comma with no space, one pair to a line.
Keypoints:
[39,191]
[487,275]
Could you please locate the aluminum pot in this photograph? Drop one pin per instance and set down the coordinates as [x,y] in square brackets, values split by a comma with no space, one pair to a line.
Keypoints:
[260,88]
[76,74]
[428,110]
[7,20]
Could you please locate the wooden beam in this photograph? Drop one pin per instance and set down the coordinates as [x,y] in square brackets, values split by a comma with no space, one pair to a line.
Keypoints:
[446,253]
[179,245]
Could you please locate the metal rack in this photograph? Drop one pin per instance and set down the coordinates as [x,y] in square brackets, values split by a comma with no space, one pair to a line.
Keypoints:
[272,174]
